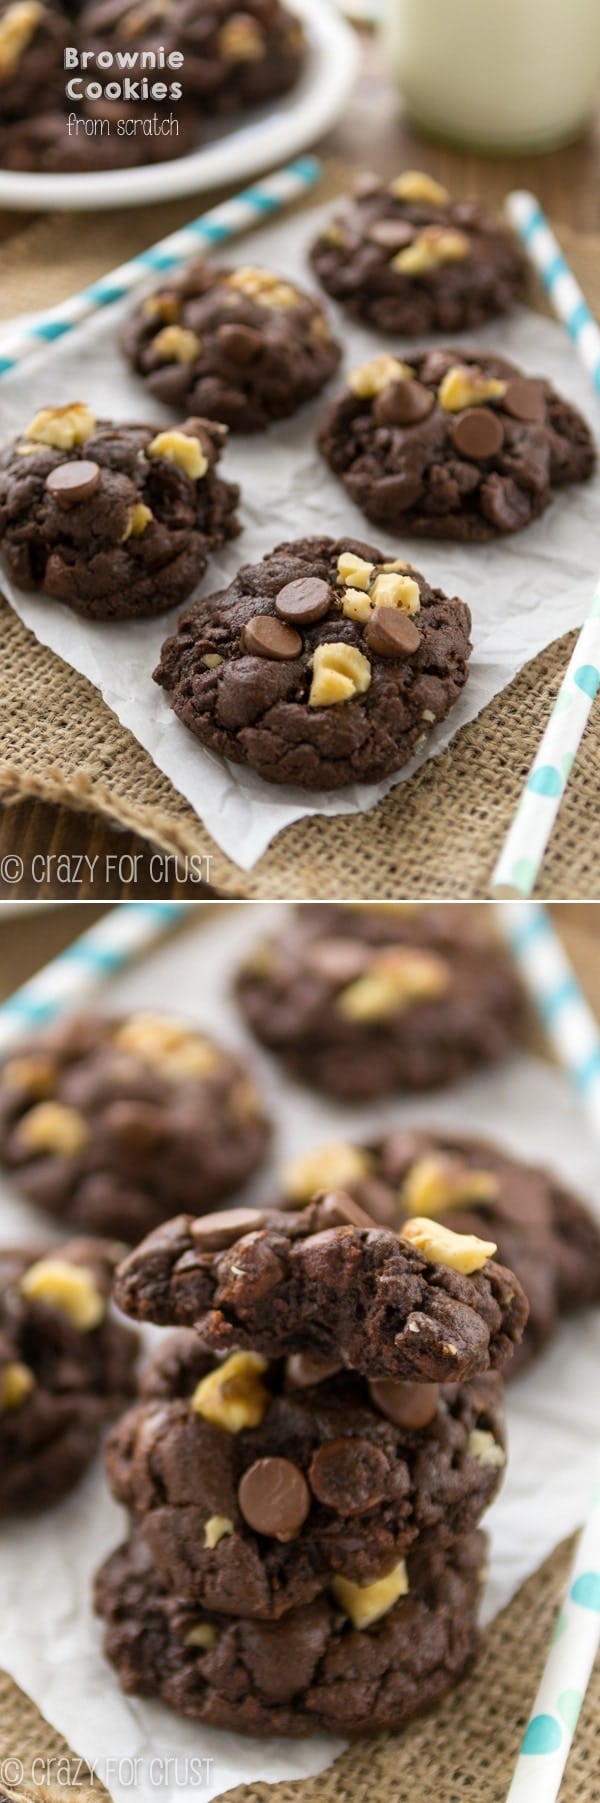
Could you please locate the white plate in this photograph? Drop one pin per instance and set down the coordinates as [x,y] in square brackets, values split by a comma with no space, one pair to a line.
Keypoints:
[261,142]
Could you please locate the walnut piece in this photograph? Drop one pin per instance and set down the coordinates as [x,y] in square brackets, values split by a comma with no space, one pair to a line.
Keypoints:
[138,519]
[204,1635]
[484,1448]
[232,1396]
[16,1383]
[353,571]
[460,1251]
[414,184]
[334,1166]
[370,379]
[339,673]
[365,1603]
[182,449]
[69,1289]
[62,427]
[167,1045]
[215,1529]
[53,1127]
[263,286]
[432,247]
[177,345]
[162,306]
[396,979]
[17,27]
[33,1076]
[464,387]
[438,1182]
[241,40]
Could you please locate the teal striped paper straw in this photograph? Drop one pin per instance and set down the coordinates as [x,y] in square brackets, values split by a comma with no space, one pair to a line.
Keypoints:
[560,1004]
[563,290]
[210,231]
[114,942]
[523,851]
[549,1733]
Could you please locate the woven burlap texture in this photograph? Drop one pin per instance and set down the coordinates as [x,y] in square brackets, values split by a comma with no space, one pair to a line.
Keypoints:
[439,834]
[465,1750]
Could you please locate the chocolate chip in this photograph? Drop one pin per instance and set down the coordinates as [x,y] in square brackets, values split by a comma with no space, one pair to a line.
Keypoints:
[478,433]
[213,1233]
[391,234]
[403,403]
[338,961]
[391,633]
[336,1209]
[303,1369]
[408,1405]
[69,483]
[305,600]
[525,399]
[366,185]
[264,636]
[349,1475]
[241,343]
[274,1498]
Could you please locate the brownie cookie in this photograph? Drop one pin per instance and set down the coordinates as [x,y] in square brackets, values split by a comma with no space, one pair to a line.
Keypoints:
[454,444]
[66,1368]
[407,258]
[243,345]
[323,665]
[361,1002]
[250,1503]
[33,35]
[111,1124]
[234,55]
[118,521]
[430,1307]
[350,1665]
[543,1232]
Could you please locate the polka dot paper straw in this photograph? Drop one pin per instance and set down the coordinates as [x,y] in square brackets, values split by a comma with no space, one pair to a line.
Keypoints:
[562,1008]
[549,1733]
[563,290]
[212,229]
[523,852]
[115,941]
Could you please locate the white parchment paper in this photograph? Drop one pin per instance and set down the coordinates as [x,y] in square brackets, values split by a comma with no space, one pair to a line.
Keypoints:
[523,591]
[49,1639]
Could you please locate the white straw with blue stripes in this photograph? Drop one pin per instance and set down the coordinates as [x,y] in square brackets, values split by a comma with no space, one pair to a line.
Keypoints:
[563,290]
[111,944]
[212,229]
[562,1008]
[523,851]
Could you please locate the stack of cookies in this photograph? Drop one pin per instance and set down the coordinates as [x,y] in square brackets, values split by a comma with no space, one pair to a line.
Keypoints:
[307,1468]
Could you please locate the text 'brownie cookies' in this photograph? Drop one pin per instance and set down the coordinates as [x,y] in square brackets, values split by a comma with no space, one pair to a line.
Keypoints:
[430,1307]
[456,444]
[224,58]
[117,520]
[66,1368]
[542,1231]
[359,1002]
[113,1124]
[406,258]
[323,665]
[315,1668]
[242,345]
[255,1485]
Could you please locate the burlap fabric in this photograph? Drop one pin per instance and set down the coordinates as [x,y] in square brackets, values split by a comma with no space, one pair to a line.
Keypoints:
[437,835]
[465,1749]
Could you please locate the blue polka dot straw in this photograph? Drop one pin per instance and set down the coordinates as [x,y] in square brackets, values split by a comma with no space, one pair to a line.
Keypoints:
[213,229]
[562,1008]
[523,852]
[549,1733]
[114,942]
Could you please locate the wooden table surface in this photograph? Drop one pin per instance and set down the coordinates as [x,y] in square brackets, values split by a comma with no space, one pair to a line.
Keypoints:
[374,135]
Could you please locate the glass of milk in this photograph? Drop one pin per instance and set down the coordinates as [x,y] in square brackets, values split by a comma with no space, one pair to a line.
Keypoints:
[499,75]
